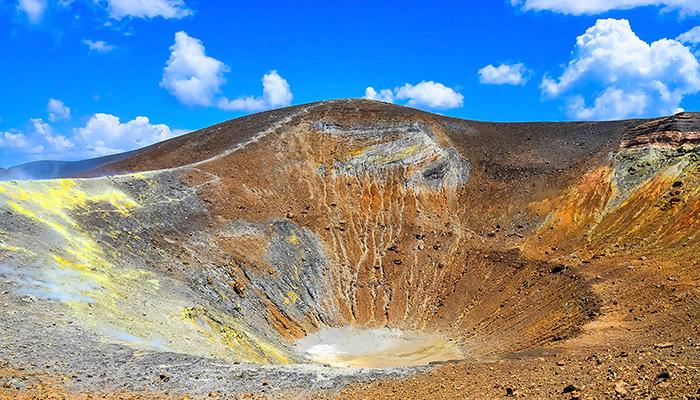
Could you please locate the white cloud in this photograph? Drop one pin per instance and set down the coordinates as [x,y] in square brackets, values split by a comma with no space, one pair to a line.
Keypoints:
[383,95]
[579,7]
[504,74]
[276,93]
[611,104]
[692,36]
[119,9]
[104,134]
[195,80]
[39,129]
[16,140]
[57,110]
[100,46]
[190,75]
[610,64]
[34,8]
[249,103]
[37,125]
[38,138]
[430,95]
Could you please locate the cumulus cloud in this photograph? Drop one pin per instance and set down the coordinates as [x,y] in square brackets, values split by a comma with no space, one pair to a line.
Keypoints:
[276,93]
[38,137]
[610,65]
[190,75]
[276,90]
[383,95]
[195,80]
[38,125]
[104,134]
[33,8]
[37,128]
[119,9]
[579,7]
[13,140]
[504,74]
[57,110]
[431,95]
[100,46]
[692,36]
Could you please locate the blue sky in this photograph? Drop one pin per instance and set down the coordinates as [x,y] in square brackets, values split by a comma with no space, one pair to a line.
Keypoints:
[85,78]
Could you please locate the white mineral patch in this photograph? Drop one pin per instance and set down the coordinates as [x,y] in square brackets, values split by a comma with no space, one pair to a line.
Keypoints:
[355,347]
[49,282]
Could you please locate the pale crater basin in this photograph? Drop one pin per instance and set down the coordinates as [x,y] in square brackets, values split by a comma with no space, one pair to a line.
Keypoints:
[379,348]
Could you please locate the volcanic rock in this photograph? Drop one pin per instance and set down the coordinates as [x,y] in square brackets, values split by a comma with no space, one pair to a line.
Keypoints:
[471,241]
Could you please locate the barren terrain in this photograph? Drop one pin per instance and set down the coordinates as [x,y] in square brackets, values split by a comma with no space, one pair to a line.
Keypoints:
[359,249]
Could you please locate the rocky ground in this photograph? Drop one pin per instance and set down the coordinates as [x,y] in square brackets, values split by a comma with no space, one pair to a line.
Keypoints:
[627,353]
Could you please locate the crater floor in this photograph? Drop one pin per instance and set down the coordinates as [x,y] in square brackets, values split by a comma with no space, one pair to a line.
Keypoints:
[350,346]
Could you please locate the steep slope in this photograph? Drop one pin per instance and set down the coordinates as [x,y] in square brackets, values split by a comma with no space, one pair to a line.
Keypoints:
[236,241]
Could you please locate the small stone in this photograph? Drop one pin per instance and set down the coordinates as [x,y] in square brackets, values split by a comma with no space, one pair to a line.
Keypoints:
[568,389]
[620,388]
[290,215]
[266,383]
[213,394]
[239,289]
[663,345]
[7,385]
[663,376]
